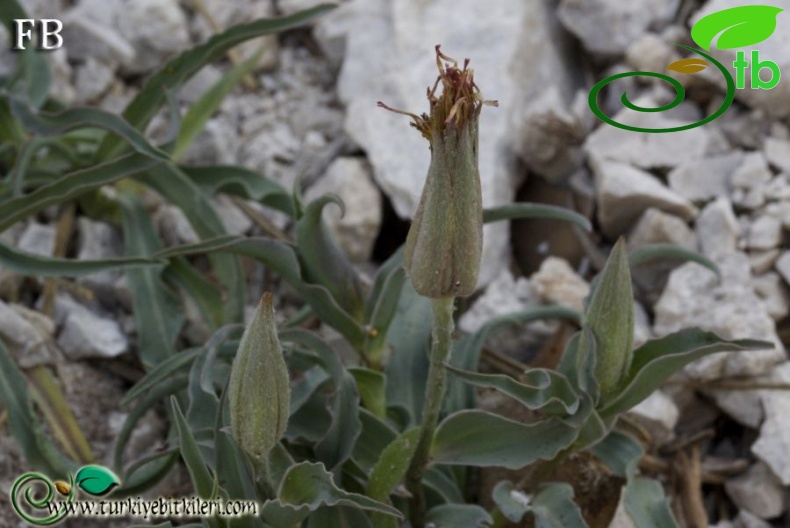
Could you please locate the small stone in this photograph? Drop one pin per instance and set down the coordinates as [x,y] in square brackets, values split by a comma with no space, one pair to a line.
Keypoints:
[89,32]
[774,294]
[557,283]
[289,7]
[624,192]
[651,52]
[757,491]
[38,239]
[762,261]
[659,415]
[93,79]
[85,334]
[356,231]
[705,179]
[658,227]
[592,21]
[765,233]
[27,335]
[233,219]
[772,444]
[217,144]
[749,180]
[156,28]
[174,226]
[717,229]
[98,240]
[643,330]
[749,520]
[694,296]
[200,83]
[783,266]
[777,151]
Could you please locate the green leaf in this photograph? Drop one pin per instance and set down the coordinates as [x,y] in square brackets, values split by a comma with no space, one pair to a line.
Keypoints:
[96,480]
[201,111]
[35,69]
[72,186]
[40,453]
[540,389]
[479,438]
[382,305]
[737,27]
[43,124]
[658,359]
[552,505]
[517,211]
[669,251]
[205,484]
[22,262]
[392,465]
[323,262]
[375,436]
[176,72]
[457,515]
[157,309]
[372,386]
[308,486]
[647,504]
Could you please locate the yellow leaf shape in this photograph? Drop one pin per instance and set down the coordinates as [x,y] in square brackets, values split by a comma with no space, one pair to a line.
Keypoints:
[690,65]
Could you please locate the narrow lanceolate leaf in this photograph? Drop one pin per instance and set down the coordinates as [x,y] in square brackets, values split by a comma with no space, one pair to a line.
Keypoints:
[479,438]
[654,252]
[175,73]
[523,210]
[22,262]
[305,488]
[205,484]
[44,124]
[259,389]
[610,317]
[157,309]
[658,359]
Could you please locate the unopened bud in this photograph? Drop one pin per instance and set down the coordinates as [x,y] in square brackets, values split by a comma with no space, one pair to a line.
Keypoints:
[259,391]
[445,243]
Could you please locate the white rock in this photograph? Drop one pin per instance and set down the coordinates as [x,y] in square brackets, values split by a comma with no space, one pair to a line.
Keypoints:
[765,233]
[156,28]
[515,48]
[206,78]
[659,414]
[624,192]
[658,227]
[749,520]
[762,261]
[774,441]
[705,179]
[749,181]
[233,219]
[38,239]
[773,293]
[608,27]
[356,231]
[643,330]
[757,491]
[289,7]
[783,266]
[650,151]
[694,297]
[98,240]
[717,229]
[61,87]
[651,52]
[776,48]
[548,137]
[93,78]
[330,33]
[89,31]
[777,151]
[174,226]
[27,335]
[217,144]
[85,334]
[557,283]
[743,406]
[503,295]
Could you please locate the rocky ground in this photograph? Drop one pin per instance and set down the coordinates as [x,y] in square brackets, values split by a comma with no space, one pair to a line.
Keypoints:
[309,112]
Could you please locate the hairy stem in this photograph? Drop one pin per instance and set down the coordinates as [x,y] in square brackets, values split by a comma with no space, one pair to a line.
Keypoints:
[434,395]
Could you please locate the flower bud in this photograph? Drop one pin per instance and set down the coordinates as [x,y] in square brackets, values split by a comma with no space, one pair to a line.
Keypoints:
[445,242]
[259,391]
[610,316]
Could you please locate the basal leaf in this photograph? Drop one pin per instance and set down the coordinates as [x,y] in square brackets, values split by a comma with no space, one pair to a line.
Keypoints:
[736,27]
[479,438]
[654,252]
[532,210]
[205,484]
[392,465]
[96,480]
[552,505]
[658,359]
[456,515]
[647,504]
[372,386]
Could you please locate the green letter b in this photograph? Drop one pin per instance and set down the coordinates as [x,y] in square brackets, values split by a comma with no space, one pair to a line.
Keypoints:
[758,66]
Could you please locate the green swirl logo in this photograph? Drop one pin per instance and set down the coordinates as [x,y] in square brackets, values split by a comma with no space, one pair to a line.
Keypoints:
[736,27]
[26,494]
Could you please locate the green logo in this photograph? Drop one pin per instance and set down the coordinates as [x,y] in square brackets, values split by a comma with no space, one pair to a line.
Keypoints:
[94,480]
[736,27]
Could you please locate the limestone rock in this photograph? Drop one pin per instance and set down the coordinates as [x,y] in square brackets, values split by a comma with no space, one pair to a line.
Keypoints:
[156,28]
[85,334]
[757,491]
[659,414]
[717,229]
[705,179]
[557,283]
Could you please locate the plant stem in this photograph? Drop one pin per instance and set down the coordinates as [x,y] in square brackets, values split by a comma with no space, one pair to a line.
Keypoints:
[441,346]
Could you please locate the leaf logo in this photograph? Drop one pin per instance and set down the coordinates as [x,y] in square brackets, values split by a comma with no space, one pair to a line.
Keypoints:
[736,27]
[690,65]
[96,480]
